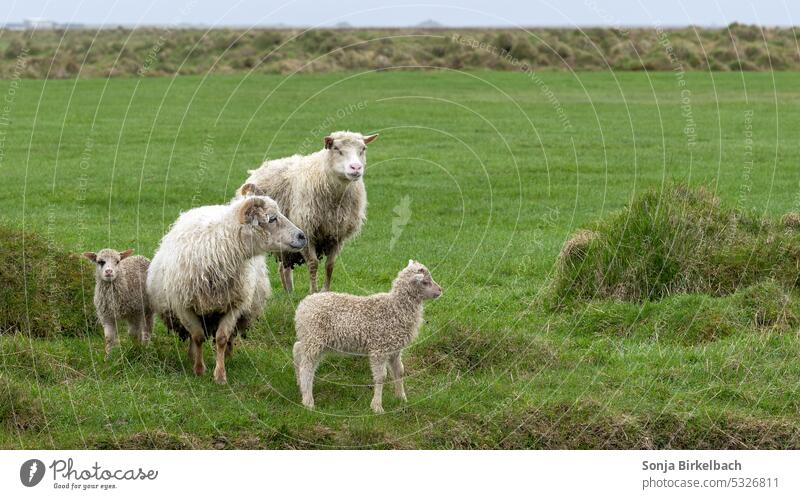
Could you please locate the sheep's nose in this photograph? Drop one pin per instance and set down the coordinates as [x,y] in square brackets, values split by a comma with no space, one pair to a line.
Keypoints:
[301,237]
[109,272]
[356,167]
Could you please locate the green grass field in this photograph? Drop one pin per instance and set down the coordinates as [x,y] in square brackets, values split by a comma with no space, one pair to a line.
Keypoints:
[497,170]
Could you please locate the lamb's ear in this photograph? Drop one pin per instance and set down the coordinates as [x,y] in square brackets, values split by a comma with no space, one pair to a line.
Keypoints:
[248,211]
[250,189]
[125,254]
[370,138]
[92,257]
[328,142]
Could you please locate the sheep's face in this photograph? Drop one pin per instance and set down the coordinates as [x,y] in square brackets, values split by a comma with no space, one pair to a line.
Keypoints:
[107,263]
[265,227]
[348,154]
[421,279]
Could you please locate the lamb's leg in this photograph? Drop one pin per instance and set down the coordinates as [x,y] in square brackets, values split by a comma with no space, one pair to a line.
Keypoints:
[377,364]
[396,367]
[147,328]
[286,278]
[310,256]
[135,326]
[223,334]
[307,363]
[110,333]
[330,260]
[191,322]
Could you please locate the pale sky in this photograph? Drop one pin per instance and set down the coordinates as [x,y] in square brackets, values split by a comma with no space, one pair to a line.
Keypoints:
[406,13]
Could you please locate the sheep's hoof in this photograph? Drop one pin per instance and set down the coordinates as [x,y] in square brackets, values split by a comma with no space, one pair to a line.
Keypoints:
[402,396]
[377,408]
[199,371]
[308,403]
[221,380]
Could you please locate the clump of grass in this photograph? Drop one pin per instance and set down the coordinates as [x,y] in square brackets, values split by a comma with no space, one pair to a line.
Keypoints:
[791,220]
[17,409]
[459,348]
[44,291]
[679,240]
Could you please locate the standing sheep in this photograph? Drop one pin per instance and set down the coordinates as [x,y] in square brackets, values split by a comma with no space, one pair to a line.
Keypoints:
[379,326]
[324,194]
[209,276]
[120,294]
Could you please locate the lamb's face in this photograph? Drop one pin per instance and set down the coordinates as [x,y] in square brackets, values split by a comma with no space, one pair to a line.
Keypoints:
[421,277]
[267,228]
[347,152]
[107,263]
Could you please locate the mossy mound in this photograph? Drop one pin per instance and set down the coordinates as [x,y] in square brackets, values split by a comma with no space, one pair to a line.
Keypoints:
[44,291]
[679,240]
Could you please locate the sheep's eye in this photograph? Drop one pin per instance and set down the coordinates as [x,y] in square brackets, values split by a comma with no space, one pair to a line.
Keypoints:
[101,262]
[273,219]
[363,149]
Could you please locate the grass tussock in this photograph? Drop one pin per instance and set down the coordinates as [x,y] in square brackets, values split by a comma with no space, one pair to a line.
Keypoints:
[591,426]
[44,291]
[676,241]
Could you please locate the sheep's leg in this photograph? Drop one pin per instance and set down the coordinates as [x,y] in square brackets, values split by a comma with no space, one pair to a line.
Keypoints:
[310,256]
[397,369]
[286,278]
[147,328]
[307,363]
[377,364]
[329,261]
[135,326]
[197,336]
[110,333]
[223,334]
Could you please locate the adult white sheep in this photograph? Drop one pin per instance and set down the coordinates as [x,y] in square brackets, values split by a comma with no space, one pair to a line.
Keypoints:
[209,276]
[323,193]
[379,326]
[120,294]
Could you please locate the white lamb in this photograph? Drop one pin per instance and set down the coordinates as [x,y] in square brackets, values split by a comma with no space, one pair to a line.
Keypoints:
[324,194]
[379,326]
[209,274]
[120,294]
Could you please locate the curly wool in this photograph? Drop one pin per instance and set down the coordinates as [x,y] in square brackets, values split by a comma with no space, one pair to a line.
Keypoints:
[383,323]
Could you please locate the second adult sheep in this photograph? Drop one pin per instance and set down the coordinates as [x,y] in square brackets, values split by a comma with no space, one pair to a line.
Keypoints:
[324,194]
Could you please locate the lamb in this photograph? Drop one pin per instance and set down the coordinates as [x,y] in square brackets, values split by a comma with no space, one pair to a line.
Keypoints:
[120,294]
[209,276]
[379,326]
[324,194]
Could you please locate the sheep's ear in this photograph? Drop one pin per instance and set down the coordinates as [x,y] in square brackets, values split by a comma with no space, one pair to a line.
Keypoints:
[249,209]
[250,190]
[370,138]
[125,254]
[92,257]
[328,142]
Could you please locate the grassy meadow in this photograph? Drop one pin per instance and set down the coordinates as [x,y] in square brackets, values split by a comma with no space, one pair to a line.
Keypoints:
[480,175]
